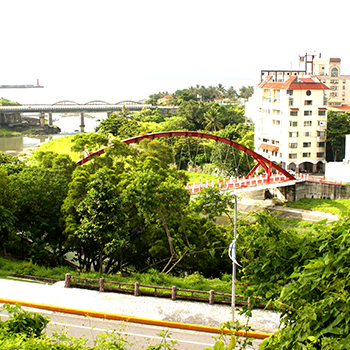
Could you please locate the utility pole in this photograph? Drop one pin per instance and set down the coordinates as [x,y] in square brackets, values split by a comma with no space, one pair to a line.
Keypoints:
[232,255]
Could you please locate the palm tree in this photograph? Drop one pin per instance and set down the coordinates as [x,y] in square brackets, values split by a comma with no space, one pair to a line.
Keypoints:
[212,119]
[221,89]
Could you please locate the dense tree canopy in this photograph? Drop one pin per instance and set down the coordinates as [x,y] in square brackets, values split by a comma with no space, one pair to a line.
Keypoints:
[338,125]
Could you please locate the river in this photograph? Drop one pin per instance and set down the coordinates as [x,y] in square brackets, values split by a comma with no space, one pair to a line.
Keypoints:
[68,124]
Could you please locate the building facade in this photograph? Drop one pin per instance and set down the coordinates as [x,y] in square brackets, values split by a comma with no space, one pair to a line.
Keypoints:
[329,73]
[290,117]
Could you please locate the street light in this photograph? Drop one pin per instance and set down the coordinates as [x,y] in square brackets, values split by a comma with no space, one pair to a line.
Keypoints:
[232,255]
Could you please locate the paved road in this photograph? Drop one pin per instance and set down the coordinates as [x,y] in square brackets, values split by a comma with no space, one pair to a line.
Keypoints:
[137,334]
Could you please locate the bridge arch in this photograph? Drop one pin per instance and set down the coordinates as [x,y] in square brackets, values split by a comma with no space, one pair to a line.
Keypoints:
[66,102]
[265,163]
[128,102]
[96,102]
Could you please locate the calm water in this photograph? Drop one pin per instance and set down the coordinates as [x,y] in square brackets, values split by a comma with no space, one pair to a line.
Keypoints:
[68,125]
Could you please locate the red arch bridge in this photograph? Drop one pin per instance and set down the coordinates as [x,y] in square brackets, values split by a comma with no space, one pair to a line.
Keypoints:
[273,172]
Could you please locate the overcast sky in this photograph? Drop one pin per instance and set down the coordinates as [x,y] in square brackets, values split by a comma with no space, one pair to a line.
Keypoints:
[128,49]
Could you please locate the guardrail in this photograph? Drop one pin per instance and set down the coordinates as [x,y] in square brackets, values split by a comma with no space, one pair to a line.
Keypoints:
[173,292]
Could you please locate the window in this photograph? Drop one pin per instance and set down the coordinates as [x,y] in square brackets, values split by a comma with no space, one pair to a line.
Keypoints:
[266,140]
[334,72]
[321,123]
[307,134]
[275,142]
[343,87]
[306,144]
[290,102]
[293,123]
[274,153]
[321,112]
[276,122]
[293,134]
[293,155]
[307,102]
[307,123]
[293,145]
[290,92]
[320,144]
[306,155]
[320,155]
[321,133]
[294,113]
[307,112]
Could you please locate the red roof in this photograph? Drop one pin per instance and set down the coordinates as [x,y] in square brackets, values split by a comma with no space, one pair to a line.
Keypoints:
[271,148]
[290,84]
[307,80]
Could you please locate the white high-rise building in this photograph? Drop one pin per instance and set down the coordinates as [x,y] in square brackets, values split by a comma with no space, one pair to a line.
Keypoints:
[290,117]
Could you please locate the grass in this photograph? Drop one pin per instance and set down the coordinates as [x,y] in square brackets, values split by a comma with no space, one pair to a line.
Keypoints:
[152,277]
[4,130]
[61,145]
[198,177]
[337,206]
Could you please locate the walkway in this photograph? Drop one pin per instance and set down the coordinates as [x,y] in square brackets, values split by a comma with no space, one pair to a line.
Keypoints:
[195,313]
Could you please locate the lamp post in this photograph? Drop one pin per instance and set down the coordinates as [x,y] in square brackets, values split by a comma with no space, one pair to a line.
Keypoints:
[232,255]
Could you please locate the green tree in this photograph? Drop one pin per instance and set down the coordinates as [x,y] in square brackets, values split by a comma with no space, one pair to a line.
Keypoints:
[38,195]
[53,160]
[119,126]
[6,102]
[213,203]
[158,198]
[213,118]
[88,142]
[152,99]
[232,94]
[338,125]
[147,115]
[193,112]
[314,302]
[180,96]
[103,223]
[7,226]
[246,92]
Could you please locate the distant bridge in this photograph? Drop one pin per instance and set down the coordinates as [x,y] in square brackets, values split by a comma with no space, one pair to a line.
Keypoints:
[66,106]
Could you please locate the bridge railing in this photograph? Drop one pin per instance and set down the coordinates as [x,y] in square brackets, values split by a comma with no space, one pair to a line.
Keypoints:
[238,182]
[173,292]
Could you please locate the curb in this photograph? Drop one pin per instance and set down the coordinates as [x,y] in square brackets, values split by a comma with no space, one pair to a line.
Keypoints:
[134,319]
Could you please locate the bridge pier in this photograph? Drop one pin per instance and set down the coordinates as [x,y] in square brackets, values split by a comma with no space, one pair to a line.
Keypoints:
[42,119]
[82,125]
[50,119]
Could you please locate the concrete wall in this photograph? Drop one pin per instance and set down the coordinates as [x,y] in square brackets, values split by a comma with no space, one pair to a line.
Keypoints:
[10,118]
[338,170]
[314,190]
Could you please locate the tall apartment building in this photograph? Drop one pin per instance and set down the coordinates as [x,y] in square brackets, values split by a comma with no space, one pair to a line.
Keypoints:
[328,71]
[290,115]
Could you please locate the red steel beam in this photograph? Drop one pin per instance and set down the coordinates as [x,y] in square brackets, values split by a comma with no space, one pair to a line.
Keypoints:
[262,161]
